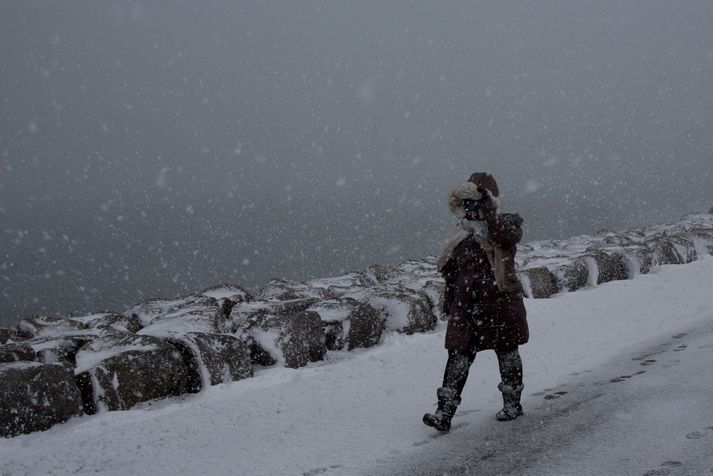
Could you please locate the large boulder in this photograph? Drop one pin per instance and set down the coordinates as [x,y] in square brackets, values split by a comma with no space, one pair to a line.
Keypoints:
[35,396]
[703,240]
[302,340]
[412,274]
[180,316]
[117,371]
[284,290]
[348,324]
[684,246]
[60,349]
[540,281]
[403,309]
[663,251]
[227,295]
[114,321]
[380,274]
[572,275]
[419,269]
[340,285]
[37,325]
[249,311]
[610,267]
[17,352]
[276,334]
[8,335]
[433,289]
[638,259]
[608,238]
[211,359]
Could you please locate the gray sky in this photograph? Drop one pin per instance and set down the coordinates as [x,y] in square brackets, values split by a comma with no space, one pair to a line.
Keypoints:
[149,149]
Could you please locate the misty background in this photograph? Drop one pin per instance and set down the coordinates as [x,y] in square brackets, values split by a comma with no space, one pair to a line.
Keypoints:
[150,149]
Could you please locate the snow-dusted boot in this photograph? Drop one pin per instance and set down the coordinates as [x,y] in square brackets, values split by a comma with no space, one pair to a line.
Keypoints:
[447,404]
[511,402]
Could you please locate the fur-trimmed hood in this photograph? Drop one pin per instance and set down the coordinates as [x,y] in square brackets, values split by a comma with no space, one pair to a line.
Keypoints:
[467,191]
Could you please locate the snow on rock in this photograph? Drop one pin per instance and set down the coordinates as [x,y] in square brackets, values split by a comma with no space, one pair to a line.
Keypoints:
[230,291]
[684,246]
[59,349]
[413,274]
[541,282]
[571,276]
[609,255]
[403,309]
[610,267]
[17,352]
[32,326]
[339,285]
[211,359]
[227,295]
[348,324]
[433,290]
[117,371]
[129,323]
[36,396]
[284,290]
[277,332]
[180,316]
[379,273]
[663,251]
[8,335]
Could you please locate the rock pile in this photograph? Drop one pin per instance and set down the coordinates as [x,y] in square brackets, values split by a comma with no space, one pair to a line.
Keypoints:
[53,367]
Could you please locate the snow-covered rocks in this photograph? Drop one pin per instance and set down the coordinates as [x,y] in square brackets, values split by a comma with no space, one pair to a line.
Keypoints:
[167,347]
[348,324]
[16,352]
[609,266]
[179,316]
[283,290]
[339,285]
[278,331]
[59,349]
[117,371]
[211,359]
[8,335]
[36,396]
[32,326]
[539,282]
[403,309]
[572,275]
[552,266]
[118,322]
[227,295]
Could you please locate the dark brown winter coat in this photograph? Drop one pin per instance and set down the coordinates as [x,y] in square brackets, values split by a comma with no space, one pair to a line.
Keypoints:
[481,316]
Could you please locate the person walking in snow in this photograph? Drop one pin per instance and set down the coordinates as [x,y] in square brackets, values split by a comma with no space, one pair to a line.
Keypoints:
[482,297]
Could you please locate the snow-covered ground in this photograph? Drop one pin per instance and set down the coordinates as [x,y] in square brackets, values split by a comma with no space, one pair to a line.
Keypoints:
[360,411]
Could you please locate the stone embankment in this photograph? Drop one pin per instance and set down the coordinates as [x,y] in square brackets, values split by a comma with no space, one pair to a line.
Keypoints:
[55,367]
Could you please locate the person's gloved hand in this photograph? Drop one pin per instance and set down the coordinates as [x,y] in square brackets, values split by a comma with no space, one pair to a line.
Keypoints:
[487,204]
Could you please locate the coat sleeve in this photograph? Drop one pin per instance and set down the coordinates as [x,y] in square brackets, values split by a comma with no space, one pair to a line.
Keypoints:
[505,230]
[448,290]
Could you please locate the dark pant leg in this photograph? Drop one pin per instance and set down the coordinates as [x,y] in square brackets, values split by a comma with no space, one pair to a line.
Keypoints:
[457,368]
[510,365]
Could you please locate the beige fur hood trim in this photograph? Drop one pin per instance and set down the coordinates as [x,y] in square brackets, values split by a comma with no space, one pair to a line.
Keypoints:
[466,190]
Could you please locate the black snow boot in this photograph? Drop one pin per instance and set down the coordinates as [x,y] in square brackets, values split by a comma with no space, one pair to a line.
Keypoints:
[447,404]
[511,402]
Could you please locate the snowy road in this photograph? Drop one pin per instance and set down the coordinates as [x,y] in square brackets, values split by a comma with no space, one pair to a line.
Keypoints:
[360,412]
[648,412]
